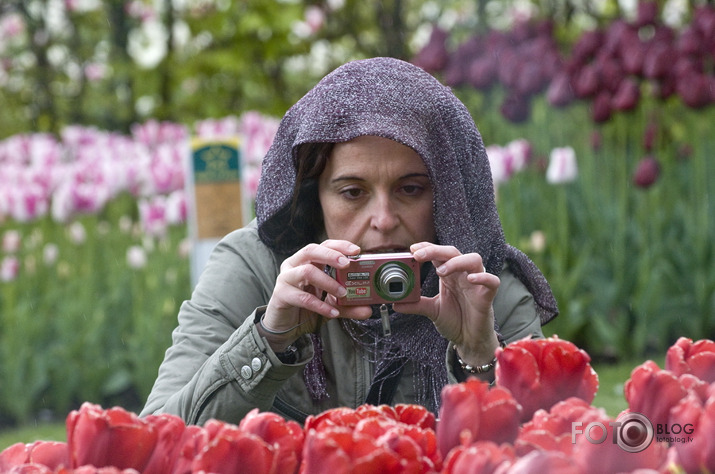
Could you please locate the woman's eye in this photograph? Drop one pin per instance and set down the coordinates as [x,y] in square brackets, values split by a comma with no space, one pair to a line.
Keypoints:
[411,189]
[352,193]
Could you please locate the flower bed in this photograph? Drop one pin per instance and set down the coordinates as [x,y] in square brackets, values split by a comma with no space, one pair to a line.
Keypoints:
[537,417]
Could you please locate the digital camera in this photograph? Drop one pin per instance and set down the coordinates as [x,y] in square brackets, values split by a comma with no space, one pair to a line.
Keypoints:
[379,278]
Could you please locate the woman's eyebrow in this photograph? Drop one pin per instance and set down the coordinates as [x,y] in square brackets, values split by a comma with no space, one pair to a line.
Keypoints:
[358,178]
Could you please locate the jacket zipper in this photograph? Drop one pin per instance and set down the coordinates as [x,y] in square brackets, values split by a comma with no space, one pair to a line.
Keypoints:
[290,411]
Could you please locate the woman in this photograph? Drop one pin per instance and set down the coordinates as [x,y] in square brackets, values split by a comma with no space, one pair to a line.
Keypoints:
[377,157]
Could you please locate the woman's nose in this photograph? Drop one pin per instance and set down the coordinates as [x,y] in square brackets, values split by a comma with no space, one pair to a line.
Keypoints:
[384,215]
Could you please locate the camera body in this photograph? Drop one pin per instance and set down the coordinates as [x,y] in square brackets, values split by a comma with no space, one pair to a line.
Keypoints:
[379,278]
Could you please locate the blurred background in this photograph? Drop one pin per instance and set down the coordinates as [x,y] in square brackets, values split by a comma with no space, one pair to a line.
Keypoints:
[598,117]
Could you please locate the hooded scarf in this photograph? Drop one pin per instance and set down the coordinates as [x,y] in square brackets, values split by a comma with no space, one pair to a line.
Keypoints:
[394,99]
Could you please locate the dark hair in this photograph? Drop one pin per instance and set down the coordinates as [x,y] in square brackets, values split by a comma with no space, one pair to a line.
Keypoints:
[303,213]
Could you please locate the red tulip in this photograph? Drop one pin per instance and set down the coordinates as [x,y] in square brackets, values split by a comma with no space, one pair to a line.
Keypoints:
[484,457]
[542,372]
[647,172]
[230,450]
[50,454]
[172,451]
[471,412]
[374,444]
[286,437]
[113,437]
[653,392]
[552,430]
[416,415]
[698,454]
[688,357]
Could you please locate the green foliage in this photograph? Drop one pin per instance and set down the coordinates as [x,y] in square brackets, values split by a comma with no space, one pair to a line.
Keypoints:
[87,326]
[631,267]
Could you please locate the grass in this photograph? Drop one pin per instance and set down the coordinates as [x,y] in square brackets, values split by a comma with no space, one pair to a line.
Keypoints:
[609,397]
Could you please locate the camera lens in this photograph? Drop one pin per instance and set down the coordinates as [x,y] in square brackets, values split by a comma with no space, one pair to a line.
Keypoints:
[393,282]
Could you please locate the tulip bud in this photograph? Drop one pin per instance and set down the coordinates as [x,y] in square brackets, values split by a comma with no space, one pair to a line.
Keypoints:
[516,108]
[646,173]
[560,93]
[433,57]
[601,108]
[647,13]
[627,95]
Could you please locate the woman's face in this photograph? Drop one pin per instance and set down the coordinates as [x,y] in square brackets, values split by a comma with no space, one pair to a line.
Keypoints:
[376,193]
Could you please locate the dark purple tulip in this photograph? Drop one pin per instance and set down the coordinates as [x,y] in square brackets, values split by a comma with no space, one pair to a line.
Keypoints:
[627,95]
[587,45]
[610,72]
[619,32]
[704,21]
[632,55]
[482,72]
[433,56]
[587,82]
[649,136]
[531,79]
[663,88]
[647,13]
[516,108]
[695,90]
[509,67]
[659,61]
[560,93]
[601,107]
[647,172]
[691,42]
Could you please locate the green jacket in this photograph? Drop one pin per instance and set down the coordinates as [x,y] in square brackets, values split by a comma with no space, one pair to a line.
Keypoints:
[218,366]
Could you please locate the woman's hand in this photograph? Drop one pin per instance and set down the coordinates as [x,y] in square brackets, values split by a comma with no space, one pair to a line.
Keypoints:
[298,299]
[462,310]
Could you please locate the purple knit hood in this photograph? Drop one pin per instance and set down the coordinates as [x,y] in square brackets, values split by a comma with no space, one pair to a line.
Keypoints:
[394,99]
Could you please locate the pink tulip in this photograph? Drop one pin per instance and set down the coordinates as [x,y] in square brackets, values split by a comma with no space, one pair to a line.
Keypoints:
[537,462]
[50,454]
[688,357]
[471,412]
[607,456]
[9,268]
[542,372]
[484,457]
[112,437]
[653,392]
[562,166]
[698,453]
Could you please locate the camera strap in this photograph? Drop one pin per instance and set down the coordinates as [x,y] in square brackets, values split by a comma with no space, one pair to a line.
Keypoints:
[384,385]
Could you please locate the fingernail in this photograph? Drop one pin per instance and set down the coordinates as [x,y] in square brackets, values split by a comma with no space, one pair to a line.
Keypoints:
[354,249]
[343,260]
[441,269]
[342,292]
[334,313]
[420,253]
